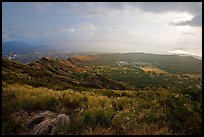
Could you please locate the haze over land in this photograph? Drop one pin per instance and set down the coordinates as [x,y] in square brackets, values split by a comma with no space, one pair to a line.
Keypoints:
[161,28]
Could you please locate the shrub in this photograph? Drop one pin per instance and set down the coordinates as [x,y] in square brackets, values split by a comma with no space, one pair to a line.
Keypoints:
[96,117]
[74,101]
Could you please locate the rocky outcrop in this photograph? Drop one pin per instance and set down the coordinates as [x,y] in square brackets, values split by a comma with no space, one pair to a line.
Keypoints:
[45,123]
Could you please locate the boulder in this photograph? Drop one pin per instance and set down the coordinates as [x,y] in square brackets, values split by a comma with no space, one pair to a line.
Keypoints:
[39,118]
[61,120]
[45,127]
[45,123]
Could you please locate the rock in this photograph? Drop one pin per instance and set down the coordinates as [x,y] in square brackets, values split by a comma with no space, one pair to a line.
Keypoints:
[44,128]
[45,123]
[39,118]
[61,120]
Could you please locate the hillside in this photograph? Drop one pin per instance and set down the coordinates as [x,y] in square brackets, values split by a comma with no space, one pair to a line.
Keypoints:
[53,73]
[170,63]
[112,94]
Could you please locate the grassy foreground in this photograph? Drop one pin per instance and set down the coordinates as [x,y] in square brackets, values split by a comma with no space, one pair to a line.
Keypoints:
[152,111]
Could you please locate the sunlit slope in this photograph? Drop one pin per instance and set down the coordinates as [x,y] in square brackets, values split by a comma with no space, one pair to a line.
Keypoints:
[154,70]
[169,63]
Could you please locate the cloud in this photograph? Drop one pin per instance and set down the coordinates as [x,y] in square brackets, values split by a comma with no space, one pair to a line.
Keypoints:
[91,9]
[42,7]
[188,33]
[117,10]
[127,9]
[86,26]
[101,9]
[193,8]
[64,30]
[111,26]
[158,7]
[195,21]
[122,30]
[186,52]
[177,51]
[153,7]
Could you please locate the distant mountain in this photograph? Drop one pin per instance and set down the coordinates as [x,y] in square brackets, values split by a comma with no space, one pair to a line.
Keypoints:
[22,47]
[16,46]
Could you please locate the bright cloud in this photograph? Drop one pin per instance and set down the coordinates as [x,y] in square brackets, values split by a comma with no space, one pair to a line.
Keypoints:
[191,52]
[178,52]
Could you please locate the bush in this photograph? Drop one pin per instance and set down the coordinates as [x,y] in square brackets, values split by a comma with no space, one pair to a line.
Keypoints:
[97,117]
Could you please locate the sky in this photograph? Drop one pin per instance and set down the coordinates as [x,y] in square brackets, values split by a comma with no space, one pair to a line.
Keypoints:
[150,27]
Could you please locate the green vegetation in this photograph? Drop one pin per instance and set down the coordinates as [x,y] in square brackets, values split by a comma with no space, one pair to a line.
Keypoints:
[102,97]
[105,111]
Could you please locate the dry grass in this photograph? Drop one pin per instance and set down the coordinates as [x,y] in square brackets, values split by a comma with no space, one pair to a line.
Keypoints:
[123,68]
[153,69]
[85,58]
